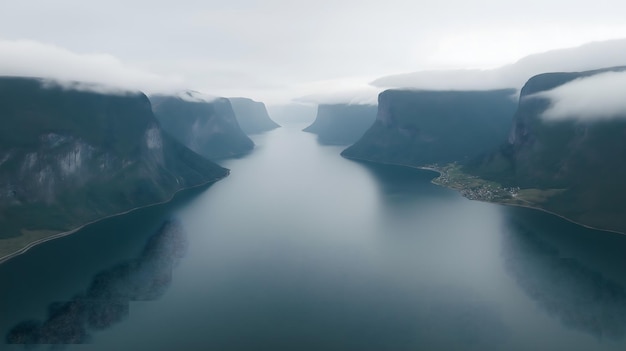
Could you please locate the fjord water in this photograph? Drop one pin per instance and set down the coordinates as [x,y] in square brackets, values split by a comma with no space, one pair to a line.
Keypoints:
[300,249]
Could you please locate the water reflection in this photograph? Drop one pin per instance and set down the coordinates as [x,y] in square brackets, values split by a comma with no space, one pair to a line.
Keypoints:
[106,301]
[400,186]
[581,297]
[401,179]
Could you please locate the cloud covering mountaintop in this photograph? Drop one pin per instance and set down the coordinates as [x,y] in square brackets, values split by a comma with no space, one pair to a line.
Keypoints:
[586,57]
[277,50]
[599,97]
[95,72]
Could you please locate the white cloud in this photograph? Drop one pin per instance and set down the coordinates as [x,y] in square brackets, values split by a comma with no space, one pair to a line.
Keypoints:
[461,79]
[339,91]
[78,71]
[586,57]
[195,96]
[268,50]
[350,97]
[292,113]
[598,97]
[82,86]
[491,47]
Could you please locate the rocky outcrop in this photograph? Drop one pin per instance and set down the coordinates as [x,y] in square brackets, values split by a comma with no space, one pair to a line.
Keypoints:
[417,128]
[206,125]
[252,116]
[342,124]
[68,157]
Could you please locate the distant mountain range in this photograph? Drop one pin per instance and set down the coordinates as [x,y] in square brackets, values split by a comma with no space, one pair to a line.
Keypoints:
[293,113]
[342,124]
[207,126]
[252,116]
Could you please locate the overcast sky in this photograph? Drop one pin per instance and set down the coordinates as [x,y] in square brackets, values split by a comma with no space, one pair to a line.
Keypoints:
[278,50]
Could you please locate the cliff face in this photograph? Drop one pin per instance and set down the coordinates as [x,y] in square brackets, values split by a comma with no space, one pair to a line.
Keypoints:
[208,127]
[583,159]
[252,116]
[423,127]
[342,124]
[68,157]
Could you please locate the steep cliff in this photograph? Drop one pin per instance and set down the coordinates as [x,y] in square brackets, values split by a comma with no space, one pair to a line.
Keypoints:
[68,157]
[342,124]
[423,127]
[575,167]
[205,125]
[252,116]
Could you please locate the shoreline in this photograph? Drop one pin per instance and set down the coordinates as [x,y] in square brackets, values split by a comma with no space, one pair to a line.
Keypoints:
[29,246]
[489,202]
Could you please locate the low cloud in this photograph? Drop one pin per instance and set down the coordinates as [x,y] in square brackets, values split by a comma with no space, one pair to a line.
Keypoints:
[462,79]
[351,91]
[361,97]
[599,97]
[196,96]
[586,57]
[99,72]
[99,88]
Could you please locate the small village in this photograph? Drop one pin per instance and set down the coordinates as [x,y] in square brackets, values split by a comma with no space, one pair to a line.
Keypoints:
[471,186]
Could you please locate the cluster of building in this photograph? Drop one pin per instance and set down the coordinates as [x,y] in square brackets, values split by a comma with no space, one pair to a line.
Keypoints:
[485,192]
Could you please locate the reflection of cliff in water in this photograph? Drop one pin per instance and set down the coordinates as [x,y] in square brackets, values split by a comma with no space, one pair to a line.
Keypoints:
[106,301]
[396,181]
[578,296]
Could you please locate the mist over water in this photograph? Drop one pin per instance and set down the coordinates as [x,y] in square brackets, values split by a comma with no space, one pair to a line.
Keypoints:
[300,249]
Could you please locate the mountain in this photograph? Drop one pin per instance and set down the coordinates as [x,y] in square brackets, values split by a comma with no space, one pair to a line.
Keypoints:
[342,124]
[417,128]
[252,116]
[68,157]
[574,167]
[586,57]
[206,125]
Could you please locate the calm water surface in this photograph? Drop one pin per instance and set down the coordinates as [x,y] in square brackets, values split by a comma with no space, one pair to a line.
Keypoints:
[300,249]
